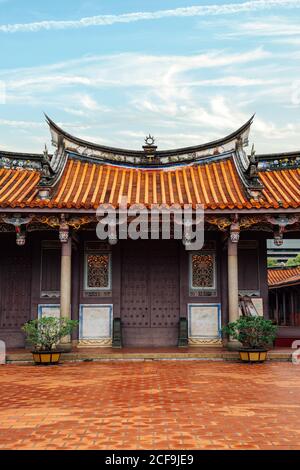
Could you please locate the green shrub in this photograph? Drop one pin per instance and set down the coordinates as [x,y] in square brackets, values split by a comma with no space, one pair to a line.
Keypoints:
[252,332]
[45,333]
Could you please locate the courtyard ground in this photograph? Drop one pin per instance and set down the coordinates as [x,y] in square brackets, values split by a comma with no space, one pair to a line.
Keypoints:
[150,405]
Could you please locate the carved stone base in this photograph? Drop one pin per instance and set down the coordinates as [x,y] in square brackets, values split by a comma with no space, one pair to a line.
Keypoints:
[205,342]
[95,343]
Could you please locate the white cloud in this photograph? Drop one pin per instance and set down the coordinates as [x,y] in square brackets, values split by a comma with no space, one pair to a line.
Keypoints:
[192,11]
[149,71]
[182,100]
[233,81]
[75,112]
[21,124]
[273,27]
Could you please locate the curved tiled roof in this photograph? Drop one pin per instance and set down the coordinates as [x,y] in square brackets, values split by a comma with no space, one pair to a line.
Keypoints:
[282,188]
[280,277]
[86,185]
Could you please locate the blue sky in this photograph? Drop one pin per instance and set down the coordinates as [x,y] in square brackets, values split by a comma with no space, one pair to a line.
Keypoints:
[186,71]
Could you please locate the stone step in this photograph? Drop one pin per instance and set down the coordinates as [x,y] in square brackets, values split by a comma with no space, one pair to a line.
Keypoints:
[98,355]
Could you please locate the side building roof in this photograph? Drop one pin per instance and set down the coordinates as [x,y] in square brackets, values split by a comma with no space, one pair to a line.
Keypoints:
[283,277]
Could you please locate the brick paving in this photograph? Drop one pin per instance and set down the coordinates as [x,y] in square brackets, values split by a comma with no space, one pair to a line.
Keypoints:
[150,405]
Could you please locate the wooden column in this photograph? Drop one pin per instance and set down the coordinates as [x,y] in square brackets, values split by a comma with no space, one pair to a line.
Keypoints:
[75,287]
[116,280]
[276,316]
[284,307]
[65,284]
[184,280]
[233,290]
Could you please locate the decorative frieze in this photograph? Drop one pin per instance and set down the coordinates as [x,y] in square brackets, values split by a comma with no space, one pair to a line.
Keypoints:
[97,294]
[222,223]
[95,343]
[285,163]
[205,342]
[20,164]
[247,222]
[4,228]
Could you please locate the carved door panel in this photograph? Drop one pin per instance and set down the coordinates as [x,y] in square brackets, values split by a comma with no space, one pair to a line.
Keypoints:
[150,293]
[15,295]
[135,288]
[164,282]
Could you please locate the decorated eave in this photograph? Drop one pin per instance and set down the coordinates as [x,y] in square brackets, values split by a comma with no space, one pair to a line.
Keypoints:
[279,277]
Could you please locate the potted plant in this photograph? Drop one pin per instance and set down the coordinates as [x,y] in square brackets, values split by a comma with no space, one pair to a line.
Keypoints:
[255,334]
[45,334]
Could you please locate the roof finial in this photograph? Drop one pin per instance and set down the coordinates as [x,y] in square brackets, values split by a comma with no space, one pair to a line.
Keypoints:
[149,140]
[150,147]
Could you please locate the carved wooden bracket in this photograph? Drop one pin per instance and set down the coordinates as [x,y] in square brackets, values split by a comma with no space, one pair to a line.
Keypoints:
[74,222]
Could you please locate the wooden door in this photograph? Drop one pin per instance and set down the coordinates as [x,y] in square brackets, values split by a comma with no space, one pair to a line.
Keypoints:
[150,293]
[15,293]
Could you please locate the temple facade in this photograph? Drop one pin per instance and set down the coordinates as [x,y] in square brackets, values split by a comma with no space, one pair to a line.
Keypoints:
[145,292]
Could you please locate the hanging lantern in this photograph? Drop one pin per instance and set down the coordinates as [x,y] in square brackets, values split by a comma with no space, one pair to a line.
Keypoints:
[113,240]
[20,236]
[278,238]
[112,234]
[187,242]
[187,234]
[17,221]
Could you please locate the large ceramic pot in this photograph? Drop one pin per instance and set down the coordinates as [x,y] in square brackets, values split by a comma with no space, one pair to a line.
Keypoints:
[253,355]
[46,358]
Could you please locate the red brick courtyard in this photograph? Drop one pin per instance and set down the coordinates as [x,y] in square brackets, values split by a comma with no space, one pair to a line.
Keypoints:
[150,405]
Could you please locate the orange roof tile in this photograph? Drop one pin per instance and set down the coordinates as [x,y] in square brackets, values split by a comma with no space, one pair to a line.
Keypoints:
[280,277]
[85,185]
[282,188]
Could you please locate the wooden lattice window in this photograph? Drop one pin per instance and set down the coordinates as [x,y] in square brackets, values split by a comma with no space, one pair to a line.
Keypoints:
[50,269]
[203,271]
[97,272]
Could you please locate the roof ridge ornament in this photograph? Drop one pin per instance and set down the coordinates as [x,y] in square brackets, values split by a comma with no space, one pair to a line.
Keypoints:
[150,148]
[149,140]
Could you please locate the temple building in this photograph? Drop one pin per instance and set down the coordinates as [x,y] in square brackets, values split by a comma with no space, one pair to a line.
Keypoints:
[145,292]
[284,300]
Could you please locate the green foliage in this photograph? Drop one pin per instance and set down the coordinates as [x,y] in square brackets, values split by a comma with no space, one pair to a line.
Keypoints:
[272,263]
[45,333]
[252,332]
[294,261]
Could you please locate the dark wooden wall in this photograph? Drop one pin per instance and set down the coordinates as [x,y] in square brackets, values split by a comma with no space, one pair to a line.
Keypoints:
[22,286]
[15,289]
